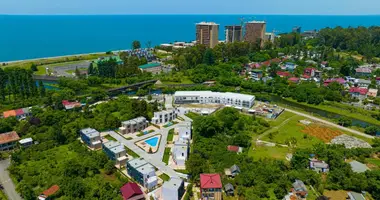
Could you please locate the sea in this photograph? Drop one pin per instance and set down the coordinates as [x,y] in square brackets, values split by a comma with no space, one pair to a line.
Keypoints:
[36,36]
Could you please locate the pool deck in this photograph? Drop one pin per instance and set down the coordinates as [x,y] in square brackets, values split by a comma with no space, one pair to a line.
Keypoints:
[143,145]
[156,158]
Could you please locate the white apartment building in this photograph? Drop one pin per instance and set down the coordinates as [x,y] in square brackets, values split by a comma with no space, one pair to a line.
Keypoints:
[184,131]
[180,152]
[204,97]
[133,125]
[164,116]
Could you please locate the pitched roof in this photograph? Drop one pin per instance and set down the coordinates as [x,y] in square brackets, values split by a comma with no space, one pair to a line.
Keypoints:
[233,148]
[294,79]
[363,70]
[362,91]
[285,74]
[150,65]
[229,187]
[210,181]
[235,168]
[19,112]
[130,190]
[8,137]
[9,113]
[52,190]
[358,167]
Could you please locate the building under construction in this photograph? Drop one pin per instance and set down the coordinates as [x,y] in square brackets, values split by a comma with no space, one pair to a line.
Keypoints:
[207,33]
[255,32]
[233,33]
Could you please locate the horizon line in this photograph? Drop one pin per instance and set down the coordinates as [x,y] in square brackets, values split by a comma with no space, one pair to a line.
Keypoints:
[140,14]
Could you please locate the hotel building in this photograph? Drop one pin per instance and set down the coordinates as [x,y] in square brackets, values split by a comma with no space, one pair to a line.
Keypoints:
[255,32]
[207,33]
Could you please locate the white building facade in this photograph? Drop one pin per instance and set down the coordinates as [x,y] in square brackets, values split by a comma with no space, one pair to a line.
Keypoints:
[205,97]
[180,152]
[164,116]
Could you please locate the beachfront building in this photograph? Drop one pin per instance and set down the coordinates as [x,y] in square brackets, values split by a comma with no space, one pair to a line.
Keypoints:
[143,172]
[154,67]
[133,125]
[211,187]
[91,137]
[116,152]
[173,189]
[233,33]
[26,142]
[8,140]
[207,33]
[21,113]
[180,152]
[255,32]
[205,97]
[132,191]
[118,60]
[164,116]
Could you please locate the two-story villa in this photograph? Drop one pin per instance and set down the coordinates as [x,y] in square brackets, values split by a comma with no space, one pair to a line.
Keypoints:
[143,172]
[91,137]
[116,152]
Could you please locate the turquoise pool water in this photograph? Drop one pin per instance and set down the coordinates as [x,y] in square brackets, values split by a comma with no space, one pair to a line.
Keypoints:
[152,141]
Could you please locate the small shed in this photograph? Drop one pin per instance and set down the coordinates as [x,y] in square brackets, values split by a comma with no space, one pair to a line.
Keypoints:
[229,189]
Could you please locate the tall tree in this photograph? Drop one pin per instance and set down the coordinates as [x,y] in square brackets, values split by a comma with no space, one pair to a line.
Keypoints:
[41,88]
[136,45]
[209,57]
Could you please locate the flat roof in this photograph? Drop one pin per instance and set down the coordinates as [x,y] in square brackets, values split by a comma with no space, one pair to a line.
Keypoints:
[146,169]
[150,65]
[137,162]
[244,97]
[256,22]
[207,23]
[90,132]
[25,140]
[111,144]
[173,183]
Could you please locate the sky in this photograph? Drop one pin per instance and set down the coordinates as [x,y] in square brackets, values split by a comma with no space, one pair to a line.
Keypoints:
[97,7]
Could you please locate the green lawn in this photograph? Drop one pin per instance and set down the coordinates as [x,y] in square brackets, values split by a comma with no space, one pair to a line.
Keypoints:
[42,68]
[341,109]
[170,135]
[288,127]
[110,138]
[164,177]
[166,157]
[131,153]
[192,115]
[3,196]
[263,152]
[374,161]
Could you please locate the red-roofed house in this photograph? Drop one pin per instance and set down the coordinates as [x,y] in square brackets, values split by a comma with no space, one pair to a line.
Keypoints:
[211,187]
[363,71]
[234,149]
[309,72]
[19,113]
[46,195]
[70,105]
[132,191]
[339,80]
[283,74]
[360,93]
[294,79]
[8,140]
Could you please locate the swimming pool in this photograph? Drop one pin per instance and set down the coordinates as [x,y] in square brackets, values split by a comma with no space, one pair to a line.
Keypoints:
[152,141]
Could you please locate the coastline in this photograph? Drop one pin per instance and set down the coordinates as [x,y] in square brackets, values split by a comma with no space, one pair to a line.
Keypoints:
[55,57]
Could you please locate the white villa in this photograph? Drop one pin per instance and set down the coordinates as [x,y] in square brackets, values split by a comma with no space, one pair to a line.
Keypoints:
[133,125]
[164,116]
[205,97]
[184,131]
[180,152]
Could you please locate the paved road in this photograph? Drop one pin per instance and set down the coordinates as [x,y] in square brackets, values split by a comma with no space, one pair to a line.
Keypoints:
[330,123]
[156,158]
[9,187]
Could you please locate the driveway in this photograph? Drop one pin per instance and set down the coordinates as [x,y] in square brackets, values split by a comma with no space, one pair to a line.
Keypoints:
[6,181]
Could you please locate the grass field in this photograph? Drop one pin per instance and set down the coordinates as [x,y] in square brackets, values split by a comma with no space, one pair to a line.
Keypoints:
[170,135]
[110,138]
[164,177]
[166,157]
[335,194]
[262,152]
[192,115]
[131,153]
[373,162]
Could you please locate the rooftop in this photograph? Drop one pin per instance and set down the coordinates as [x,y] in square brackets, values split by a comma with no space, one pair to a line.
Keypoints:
[207,23]
[25,140]
[137,162]
[244,97]
[8,137]
[150,65]
[358,167]
[90,132]
[362,91]
[130,189]
[52,190]
[173,183]
[256,22]
[210,181]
